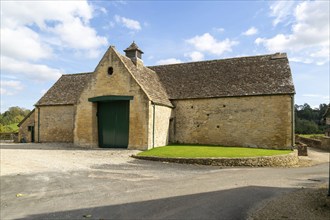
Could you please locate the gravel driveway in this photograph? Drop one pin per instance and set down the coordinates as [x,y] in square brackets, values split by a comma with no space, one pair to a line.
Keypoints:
[57,181]
[34,158]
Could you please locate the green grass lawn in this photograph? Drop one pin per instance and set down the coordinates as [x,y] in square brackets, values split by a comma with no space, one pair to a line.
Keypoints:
[195,151]
[315,136]
[13,127]
[10,128]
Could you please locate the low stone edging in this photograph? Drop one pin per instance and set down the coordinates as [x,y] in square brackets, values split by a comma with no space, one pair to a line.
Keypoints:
[286,160]
[322,144]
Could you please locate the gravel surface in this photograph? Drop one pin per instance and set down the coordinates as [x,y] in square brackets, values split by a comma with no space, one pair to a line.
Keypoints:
[30,158]
[300,204]
[305,203]
[29,161]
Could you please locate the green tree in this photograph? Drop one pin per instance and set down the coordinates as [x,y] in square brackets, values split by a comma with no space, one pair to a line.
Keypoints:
[11,117]
[309,120]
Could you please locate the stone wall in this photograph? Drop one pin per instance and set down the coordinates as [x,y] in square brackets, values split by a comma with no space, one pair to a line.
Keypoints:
[161,124]
[24,131]
[253,121]
[323,143]
[56,123]
[120,83]
[286,160]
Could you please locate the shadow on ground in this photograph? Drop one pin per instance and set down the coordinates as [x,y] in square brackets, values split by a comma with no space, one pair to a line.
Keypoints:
[226,204]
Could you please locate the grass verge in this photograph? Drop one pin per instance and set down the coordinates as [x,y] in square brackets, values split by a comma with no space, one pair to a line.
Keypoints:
[314,136]
[199,151]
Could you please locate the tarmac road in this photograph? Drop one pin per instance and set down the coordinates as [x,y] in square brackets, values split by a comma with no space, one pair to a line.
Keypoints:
[107,184]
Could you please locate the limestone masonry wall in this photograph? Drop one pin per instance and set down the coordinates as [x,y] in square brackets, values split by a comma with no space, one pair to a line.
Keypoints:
[119,83]
[56,123]
[254,121]
[23,129]
[161,124]
[323,143]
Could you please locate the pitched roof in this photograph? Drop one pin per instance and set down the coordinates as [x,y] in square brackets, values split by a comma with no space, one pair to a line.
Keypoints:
[66,90]
[133,47]
[243,76]
[149,82]
[26,117]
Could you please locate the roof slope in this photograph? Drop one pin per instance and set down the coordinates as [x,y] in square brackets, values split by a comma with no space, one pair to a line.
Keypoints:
[66,90]
[26,117]
[244,76]
[149,82]
[256,75]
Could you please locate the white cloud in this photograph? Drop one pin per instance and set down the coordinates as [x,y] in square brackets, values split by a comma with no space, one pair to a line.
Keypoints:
[43,91]
[128,23]
[168,61]
[250,31]
[71,34]
[300,60]
[311,95]
[318,97]
[103,10]
[309,36]
[23,43]
[12,83]
[41,13]
[41,25]
[219,30]
[195,56]
[207,43]
[3,91]
[281,10]
[10,87]
[35,72]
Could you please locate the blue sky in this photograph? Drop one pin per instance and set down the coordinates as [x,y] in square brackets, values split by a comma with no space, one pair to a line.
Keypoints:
[40,40]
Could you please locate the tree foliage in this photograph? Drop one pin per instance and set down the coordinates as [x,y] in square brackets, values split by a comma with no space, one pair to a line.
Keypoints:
[10,118]
[309,120]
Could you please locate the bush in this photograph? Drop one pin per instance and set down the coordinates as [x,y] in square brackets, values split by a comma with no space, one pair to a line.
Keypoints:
[306,127]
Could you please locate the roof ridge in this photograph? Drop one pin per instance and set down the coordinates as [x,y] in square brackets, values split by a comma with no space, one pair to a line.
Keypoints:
[70,74]
[215,60]
[262,74]
[145,69]
[121,57]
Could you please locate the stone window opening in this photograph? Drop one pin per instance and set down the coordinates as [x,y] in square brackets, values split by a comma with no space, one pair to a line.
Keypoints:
[110,70]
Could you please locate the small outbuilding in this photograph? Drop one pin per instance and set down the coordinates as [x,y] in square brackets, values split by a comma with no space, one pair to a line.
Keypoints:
[243,101]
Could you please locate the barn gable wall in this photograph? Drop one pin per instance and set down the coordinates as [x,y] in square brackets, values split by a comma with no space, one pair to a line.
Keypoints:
[119,83]
[23,131]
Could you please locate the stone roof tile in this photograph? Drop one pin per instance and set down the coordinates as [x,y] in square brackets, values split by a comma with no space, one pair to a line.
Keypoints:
[243,76]
[66,90]
[149,82]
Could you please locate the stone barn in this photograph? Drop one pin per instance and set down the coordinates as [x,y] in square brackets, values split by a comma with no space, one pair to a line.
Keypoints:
[244,101]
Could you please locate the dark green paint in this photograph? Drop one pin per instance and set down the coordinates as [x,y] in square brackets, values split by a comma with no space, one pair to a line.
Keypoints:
[32,134]
[110,98]
[38,125]
[113,124]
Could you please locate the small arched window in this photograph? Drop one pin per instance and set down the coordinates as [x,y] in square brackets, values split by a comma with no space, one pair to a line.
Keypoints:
[110,70]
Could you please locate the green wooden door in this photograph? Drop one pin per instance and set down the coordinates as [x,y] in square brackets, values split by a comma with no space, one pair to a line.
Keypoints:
[32,134]
[113,122]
